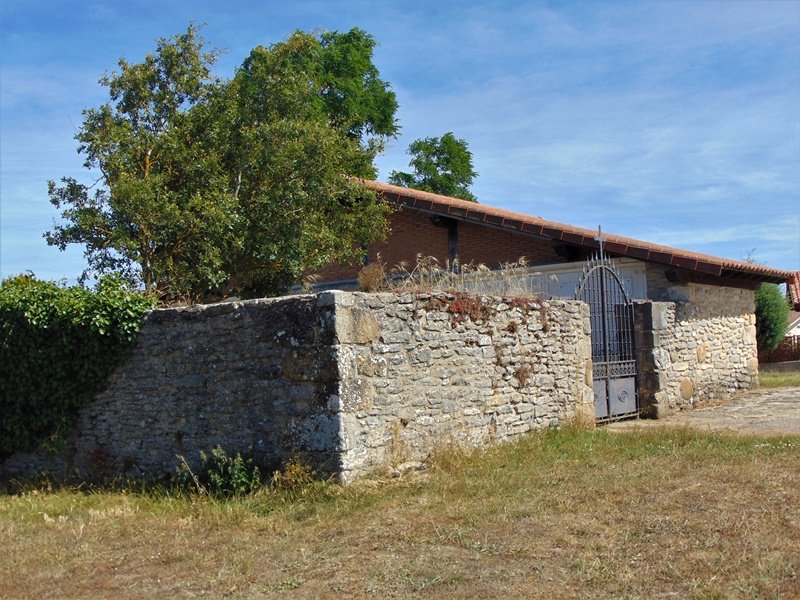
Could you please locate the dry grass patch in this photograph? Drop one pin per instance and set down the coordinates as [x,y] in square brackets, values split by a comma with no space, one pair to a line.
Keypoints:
[769,379]
[565,514]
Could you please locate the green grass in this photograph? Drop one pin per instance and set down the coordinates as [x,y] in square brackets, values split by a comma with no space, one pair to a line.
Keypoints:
[768,379]
[562,514]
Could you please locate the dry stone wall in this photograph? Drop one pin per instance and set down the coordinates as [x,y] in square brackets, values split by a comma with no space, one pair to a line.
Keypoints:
[696,343]
[250,375]
[347,381]
[419,371]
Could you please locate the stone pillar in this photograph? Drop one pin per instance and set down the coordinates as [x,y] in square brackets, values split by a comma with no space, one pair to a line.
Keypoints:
[650,321]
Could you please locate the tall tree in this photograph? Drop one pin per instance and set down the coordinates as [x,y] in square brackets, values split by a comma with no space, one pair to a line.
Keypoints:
[150,212]
[441,165]
[234,186]
[355,97]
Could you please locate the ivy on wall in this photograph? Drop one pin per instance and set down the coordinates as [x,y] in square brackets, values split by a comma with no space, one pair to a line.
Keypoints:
[58,345]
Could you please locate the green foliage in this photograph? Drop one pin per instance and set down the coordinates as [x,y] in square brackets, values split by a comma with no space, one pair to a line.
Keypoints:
[356,99]
[210,186]
[772,316]
[441,165]
[57,347]
[220,475]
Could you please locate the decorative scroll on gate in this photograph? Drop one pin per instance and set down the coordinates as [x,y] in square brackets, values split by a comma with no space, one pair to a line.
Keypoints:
[613,357]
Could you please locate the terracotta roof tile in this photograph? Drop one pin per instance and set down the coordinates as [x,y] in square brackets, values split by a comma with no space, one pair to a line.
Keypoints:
[793,290]
[536,226]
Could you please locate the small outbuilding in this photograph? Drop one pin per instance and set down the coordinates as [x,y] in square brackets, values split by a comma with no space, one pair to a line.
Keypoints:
[691,334]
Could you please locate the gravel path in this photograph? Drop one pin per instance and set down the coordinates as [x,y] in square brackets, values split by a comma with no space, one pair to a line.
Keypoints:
[773,411]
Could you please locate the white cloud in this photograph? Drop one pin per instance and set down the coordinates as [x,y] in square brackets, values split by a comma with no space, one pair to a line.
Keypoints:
[672,121]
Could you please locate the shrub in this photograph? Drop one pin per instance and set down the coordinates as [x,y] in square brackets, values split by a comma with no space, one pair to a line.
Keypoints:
[220,475]
[58,345]
[372,278]
[295,474]
[772,315]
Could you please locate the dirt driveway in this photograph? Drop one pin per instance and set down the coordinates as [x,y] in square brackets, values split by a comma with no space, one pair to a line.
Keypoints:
[773,411]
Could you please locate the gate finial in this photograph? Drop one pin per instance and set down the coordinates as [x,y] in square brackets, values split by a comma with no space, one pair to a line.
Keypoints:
[600,239]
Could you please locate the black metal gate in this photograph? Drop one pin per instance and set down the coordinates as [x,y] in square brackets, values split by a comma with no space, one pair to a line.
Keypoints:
[613,357]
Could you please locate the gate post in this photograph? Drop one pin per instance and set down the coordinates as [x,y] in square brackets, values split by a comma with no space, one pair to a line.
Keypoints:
[649,324]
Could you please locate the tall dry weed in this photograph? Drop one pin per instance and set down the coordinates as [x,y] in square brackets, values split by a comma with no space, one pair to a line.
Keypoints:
[426,275]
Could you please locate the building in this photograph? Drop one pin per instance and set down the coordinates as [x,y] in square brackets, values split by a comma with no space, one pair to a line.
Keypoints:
[456,231]
[694,313]
[793,295]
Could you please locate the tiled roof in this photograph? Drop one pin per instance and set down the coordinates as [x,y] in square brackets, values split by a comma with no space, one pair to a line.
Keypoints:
[794,320]
[577,236]
[793,290]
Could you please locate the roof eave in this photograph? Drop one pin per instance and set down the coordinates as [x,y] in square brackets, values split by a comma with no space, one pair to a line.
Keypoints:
[538,227]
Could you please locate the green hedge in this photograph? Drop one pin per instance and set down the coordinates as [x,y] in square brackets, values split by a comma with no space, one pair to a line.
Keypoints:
[58,345]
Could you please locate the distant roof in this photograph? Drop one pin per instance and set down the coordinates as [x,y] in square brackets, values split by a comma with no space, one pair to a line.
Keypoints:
[793,290]
[578,236]
[793,320]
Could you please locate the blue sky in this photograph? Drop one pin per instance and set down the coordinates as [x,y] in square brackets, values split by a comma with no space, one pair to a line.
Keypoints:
[672,122]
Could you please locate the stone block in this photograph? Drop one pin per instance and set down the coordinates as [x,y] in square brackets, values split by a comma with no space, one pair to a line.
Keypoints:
[335,297]
[355,325]
[421,356]
[309,364]
[687,389]
[752,366]
[354,395]
[702,353]
[661,359]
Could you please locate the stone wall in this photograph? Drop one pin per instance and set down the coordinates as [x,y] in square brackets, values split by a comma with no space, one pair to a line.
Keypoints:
[242,375]
[696,343]
[423,371]
[347,381]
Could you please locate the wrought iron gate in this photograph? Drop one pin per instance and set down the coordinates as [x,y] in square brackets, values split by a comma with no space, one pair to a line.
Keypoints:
[613,357]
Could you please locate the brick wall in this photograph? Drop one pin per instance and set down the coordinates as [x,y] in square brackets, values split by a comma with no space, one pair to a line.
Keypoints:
[413,233]
[493,247]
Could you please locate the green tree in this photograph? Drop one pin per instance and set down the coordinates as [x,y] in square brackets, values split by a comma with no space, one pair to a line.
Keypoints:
[356,99]
[230,186]
[772,315]
[441,165]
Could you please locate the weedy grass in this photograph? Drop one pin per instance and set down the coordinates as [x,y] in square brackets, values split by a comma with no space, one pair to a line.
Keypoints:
[768,379]
[512,279]
[569,513]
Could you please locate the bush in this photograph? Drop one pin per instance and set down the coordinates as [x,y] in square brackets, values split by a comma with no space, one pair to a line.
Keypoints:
[294,475]
[772,315]
[58,345]
[220,475]
[372,278]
